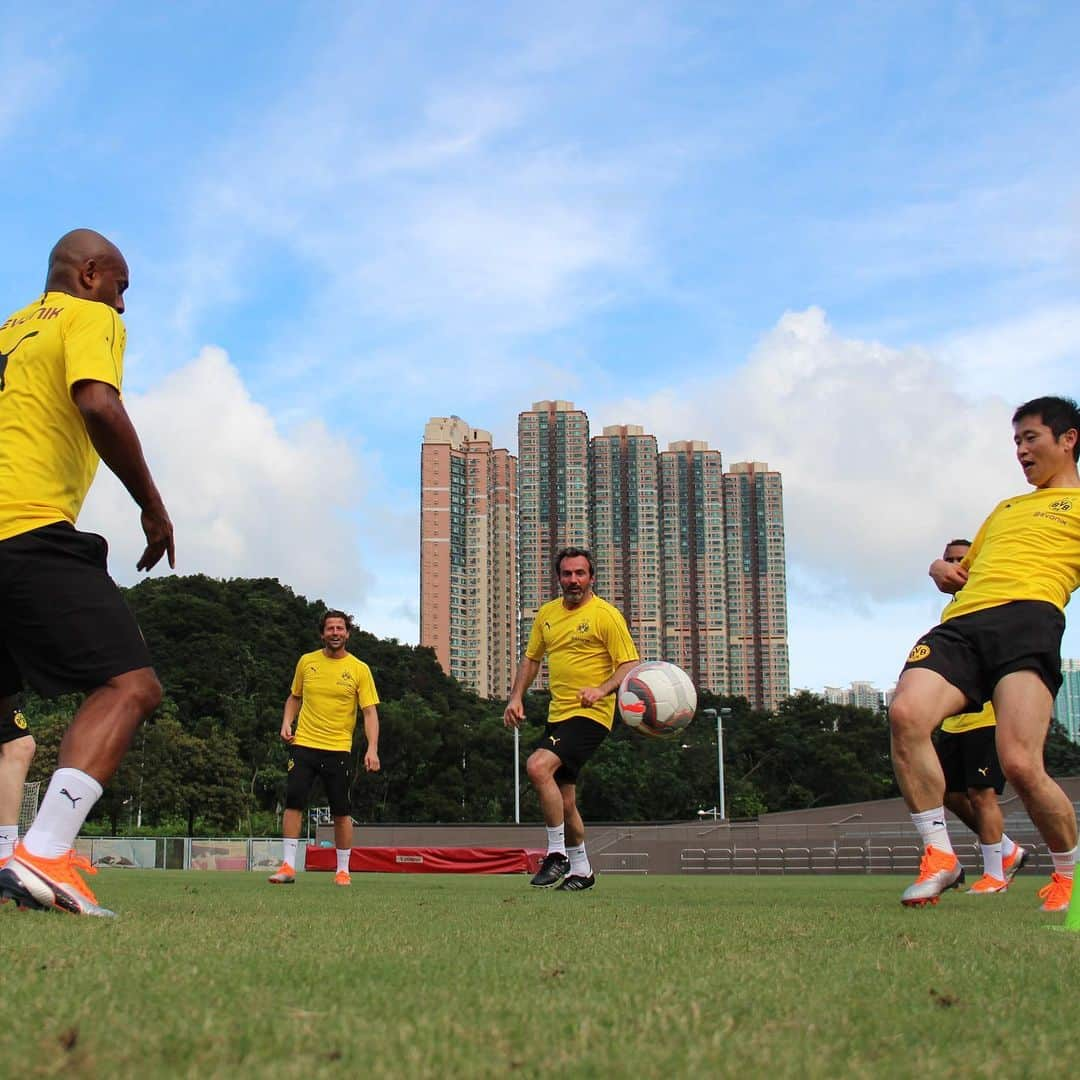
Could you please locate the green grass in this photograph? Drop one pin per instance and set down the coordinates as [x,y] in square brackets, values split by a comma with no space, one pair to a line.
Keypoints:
[218,974]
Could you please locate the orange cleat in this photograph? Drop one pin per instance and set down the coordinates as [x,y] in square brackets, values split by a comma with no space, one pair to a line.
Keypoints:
[1015,862]
[938,871]
[342,878]
[286,875]
[987,885]
[1057,894]
[50,884]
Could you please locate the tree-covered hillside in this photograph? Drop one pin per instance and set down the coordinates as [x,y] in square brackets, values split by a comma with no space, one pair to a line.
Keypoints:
[211,759]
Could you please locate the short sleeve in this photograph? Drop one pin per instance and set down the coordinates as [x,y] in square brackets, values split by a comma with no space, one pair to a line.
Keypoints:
[94,342]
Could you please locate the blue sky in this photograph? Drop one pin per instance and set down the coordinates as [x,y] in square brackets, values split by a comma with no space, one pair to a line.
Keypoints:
[844,239]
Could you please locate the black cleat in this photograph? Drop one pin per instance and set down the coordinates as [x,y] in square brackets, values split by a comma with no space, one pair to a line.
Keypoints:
[552,870]
[577,883]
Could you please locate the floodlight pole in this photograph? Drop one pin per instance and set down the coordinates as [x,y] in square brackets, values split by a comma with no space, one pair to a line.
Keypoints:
[719,717]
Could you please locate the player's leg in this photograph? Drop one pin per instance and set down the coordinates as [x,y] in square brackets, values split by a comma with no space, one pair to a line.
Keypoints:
[923,699]
[16,753]
[336,782]
[541,768]
[76,633]
[1023,702]
[581,874]
[990,827]
[950,752]
[301,777]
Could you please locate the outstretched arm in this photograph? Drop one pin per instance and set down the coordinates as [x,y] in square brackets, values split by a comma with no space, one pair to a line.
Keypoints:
[115,439]
[515,707]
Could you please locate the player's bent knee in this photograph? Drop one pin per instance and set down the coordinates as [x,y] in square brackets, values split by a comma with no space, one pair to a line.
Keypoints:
[21,750]
[142,687]
[541,767]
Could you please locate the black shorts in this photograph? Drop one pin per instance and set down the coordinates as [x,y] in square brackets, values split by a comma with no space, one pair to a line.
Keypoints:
[969,759]
[13,726]
[64,626]
[573,741]
[331,766]
[973,652]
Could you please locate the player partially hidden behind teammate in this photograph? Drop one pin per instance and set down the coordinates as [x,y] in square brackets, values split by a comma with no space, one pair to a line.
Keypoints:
[17,748]
[64,626]
[318,724]
[1000,641]
[589,650]
[973,781]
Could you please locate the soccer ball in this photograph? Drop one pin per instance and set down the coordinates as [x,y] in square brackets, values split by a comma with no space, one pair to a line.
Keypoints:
[657,699]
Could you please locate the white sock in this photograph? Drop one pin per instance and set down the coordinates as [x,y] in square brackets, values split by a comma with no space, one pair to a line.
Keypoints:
[1008,845]
[932,829]
[343,854]
[71,795]
[1064,862]
[8,835]
[579,861]
[288,850]
[991,856]
[556,839]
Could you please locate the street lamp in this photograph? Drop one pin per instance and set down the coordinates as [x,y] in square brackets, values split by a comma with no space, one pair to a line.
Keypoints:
[718,716]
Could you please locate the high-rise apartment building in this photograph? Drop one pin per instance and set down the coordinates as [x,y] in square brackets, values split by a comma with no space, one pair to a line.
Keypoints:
[553,498]
[693,593]
[468,555]
[756,584]
[1067,702]
[864,695]
[625,497]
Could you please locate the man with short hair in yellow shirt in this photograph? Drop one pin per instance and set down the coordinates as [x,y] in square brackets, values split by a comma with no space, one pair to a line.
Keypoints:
[589,650]
[318,724]
[64,626]
[967,751]
[1000,641]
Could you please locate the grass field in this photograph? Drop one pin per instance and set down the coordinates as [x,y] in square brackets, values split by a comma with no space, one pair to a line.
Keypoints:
[217,974]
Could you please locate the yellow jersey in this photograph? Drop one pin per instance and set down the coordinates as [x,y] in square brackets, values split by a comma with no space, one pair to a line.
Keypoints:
[583,646]
[47,461]
[331,689]
[970,721]
[1027,549]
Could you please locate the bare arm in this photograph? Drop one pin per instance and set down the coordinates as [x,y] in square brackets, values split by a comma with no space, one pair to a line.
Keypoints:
[948,577]
[115,439]
[288,717]
[515,708]
[590,695]
[371,733]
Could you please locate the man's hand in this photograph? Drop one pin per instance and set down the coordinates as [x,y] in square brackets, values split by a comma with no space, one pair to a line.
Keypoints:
[287,731]
[590,695]
[514,713]
[948,577]
[158,530]
[371,761]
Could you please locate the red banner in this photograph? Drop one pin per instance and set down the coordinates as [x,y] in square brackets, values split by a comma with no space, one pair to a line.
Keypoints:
[429,860]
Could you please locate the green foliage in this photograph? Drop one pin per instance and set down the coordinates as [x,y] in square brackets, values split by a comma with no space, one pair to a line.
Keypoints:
[211,759]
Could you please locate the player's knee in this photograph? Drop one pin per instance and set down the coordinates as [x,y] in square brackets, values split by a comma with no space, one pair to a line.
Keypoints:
[539,768]
[1022,769]
[20,750]
[142,688]
[905,720]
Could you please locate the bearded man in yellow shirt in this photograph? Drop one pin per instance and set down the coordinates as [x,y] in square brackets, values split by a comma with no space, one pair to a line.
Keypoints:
[1000,641]
[64,626]
[589,651]
[318,724]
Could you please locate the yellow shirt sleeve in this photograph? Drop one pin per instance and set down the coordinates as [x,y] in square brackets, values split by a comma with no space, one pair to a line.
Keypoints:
[366,695]
[297,689]
[535,649]
[94,341]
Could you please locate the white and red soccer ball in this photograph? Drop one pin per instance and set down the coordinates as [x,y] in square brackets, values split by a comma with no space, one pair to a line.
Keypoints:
[657,699]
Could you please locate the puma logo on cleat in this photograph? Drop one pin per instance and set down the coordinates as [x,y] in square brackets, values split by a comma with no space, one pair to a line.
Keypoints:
[74,798]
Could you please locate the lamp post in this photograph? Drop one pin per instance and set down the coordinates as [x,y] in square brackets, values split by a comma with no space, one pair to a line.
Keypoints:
[718,716]
[517,777]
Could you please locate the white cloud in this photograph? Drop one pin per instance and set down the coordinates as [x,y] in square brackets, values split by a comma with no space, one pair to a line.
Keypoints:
[884,455]
[247,498]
